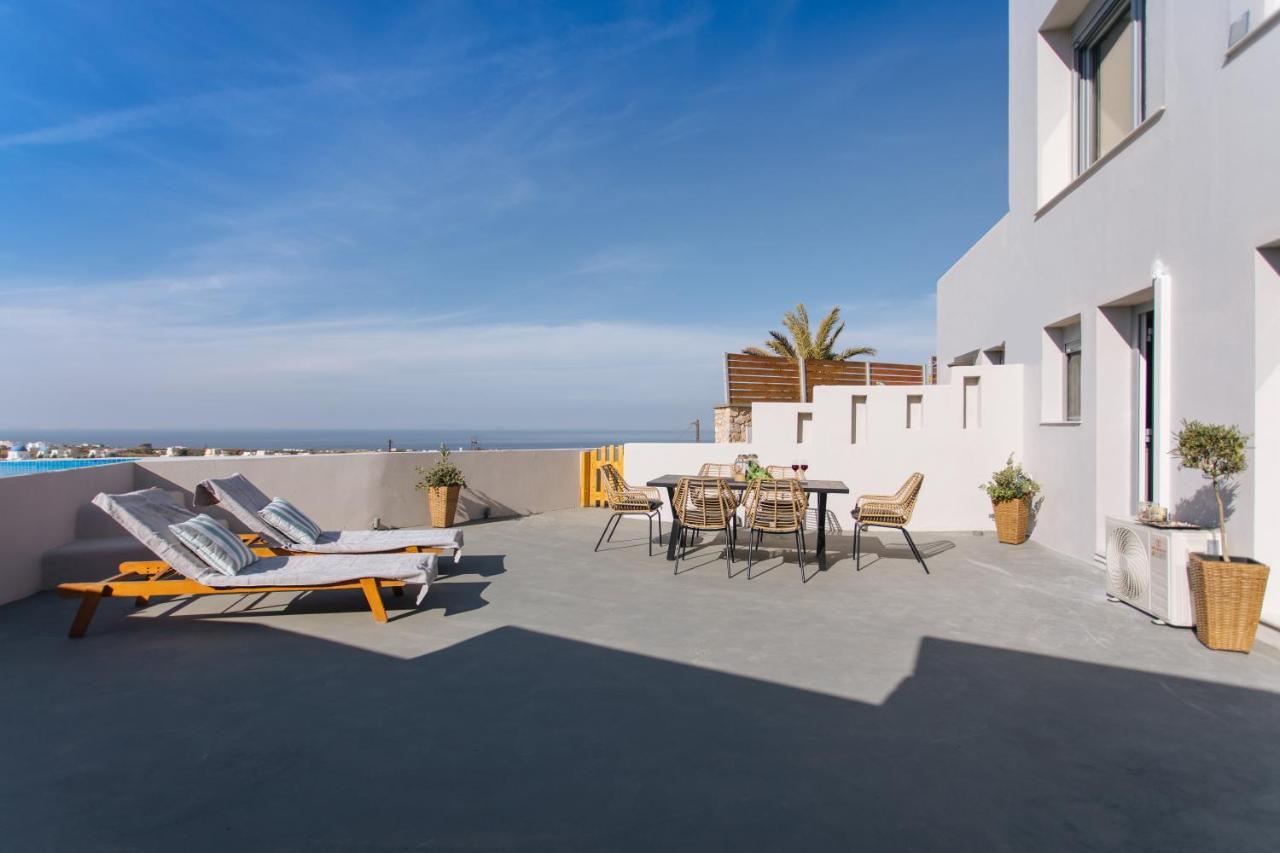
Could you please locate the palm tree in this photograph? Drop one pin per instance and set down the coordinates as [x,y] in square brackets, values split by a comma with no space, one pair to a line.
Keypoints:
[804,343]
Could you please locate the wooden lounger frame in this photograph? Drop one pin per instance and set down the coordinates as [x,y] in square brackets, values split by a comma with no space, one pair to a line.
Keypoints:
[159,579]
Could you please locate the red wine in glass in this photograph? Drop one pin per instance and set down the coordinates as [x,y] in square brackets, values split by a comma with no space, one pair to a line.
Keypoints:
[804,466]
[795,466]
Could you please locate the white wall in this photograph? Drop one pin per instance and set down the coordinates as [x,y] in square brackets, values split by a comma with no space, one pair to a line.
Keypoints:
[955,460]
[1195,195]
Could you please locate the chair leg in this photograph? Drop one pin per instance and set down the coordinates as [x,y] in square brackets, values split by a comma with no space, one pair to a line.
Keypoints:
[731,541]
[680,546]
[373,595]
[728,551]
[857,545]
[88,606]
[800,555]
[751,551]
[617,519]
[915,550]
[613,518]
[650,517]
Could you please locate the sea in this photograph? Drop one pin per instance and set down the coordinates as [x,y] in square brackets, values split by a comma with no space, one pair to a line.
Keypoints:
[346,439]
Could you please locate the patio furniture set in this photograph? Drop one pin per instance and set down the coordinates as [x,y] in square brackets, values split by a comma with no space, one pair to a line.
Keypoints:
[715,501]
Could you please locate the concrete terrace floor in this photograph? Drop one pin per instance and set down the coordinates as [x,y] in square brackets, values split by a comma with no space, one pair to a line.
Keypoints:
[548,698]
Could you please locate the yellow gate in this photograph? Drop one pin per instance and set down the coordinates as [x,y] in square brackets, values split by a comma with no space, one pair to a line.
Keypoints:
[592,482]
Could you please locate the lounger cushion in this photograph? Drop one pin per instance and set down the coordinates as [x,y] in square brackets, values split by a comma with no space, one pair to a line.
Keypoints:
[240,497]
[291,521]
[214,544]
[328,568]
[147,514]
[374,541]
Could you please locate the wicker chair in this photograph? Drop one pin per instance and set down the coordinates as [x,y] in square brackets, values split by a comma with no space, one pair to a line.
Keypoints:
[628,500]
[705,504]
[888,511]
[776,507]
[782,472]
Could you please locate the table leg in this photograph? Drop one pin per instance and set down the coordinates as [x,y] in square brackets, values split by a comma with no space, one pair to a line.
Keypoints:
[821,543]
[675,524]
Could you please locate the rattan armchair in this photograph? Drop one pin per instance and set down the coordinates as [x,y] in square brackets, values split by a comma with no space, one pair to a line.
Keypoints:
[888,511]
[782,472]
[775,507]
[628,500]
[705,504]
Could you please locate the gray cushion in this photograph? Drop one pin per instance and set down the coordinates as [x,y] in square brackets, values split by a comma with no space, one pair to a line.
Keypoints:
[289,520]
[214,544]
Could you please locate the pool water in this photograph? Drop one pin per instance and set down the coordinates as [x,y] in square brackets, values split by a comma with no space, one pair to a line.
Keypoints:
[39,466]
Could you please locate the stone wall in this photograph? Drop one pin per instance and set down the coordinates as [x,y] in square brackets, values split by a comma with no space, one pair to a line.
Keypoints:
[733,424]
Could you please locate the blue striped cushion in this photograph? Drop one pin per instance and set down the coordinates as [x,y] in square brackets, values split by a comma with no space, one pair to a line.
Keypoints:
[221,549]
[290,521]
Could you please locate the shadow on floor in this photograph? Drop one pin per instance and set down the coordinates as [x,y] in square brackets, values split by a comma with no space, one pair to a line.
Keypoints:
[246,737]
[879,547]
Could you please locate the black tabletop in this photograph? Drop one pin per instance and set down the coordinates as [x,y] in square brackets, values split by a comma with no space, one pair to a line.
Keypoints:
[820,487]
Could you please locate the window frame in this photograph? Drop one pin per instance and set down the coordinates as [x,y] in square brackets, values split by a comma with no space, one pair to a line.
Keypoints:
[1088,39]
[1072,354]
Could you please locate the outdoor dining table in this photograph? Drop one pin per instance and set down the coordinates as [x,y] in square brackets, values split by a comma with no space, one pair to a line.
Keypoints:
[821,488]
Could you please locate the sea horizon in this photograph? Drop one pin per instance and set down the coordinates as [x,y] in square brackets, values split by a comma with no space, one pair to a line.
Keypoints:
[343,439]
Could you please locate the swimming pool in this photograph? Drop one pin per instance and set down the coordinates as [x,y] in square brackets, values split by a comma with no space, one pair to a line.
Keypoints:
[39,466]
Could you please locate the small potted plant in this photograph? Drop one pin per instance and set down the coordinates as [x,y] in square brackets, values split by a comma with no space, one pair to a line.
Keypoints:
[1011,491]
[442,482]
[1226,591]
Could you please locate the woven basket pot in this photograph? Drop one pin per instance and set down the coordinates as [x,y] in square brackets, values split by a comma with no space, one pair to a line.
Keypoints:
[1227,599]
[1011,520]
[444,504]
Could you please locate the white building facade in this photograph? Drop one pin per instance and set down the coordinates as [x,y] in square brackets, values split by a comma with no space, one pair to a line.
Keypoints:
[1136,277]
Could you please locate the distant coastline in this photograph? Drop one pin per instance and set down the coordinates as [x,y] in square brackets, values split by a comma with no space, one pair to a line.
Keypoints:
[343,439]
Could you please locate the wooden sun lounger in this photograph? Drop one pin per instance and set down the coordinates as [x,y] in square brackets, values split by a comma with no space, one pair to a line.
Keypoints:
[159,583]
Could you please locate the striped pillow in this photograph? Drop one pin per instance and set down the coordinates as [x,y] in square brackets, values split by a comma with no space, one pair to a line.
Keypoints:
[290,521]
[220,549]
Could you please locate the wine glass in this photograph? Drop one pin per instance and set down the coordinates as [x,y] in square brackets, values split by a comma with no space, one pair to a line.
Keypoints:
[804,469]
[795,468]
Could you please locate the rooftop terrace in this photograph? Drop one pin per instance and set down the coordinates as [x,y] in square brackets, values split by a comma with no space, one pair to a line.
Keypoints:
[545,697]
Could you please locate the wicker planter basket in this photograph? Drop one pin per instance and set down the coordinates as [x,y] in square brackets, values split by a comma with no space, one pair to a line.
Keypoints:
[1228,600]
[1011,520]
[444,504]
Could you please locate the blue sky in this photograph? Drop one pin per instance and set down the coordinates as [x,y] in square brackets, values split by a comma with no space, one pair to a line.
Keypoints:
[472,214]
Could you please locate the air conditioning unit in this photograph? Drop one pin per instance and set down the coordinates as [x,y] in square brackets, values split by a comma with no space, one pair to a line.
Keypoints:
[1147,568]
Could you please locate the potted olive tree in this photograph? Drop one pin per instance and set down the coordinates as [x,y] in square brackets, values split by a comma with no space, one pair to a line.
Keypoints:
[1226,591]
[1011,492]
[442,482]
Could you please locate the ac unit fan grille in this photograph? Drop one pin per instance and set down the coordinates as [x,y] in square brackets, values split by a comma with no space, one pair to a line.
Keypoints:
[1128,566]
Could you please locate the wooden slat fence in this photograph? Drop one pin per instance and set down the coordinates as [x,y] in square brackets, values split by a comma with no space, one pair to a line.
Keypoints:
[759,379]
[764,379]
[591,479]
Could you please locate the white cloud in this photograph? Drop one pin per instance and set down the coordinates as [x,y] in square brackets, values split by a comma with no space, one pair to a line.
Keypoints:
[158,353]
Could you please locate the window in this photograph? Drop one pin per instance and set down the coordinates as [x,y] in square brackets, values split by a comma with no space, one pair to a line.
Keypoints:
[1110,64]
[1071,381]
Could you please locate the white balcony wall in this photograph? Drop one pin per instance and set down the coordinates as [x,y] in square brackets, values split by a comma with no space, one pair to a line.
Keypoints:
[954,459]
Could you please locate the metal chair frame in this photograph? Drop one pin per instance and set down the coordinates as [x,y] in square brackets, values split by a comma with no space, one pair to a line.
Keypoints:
[624,499]
[775,507]
[889,511]
[706,504]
